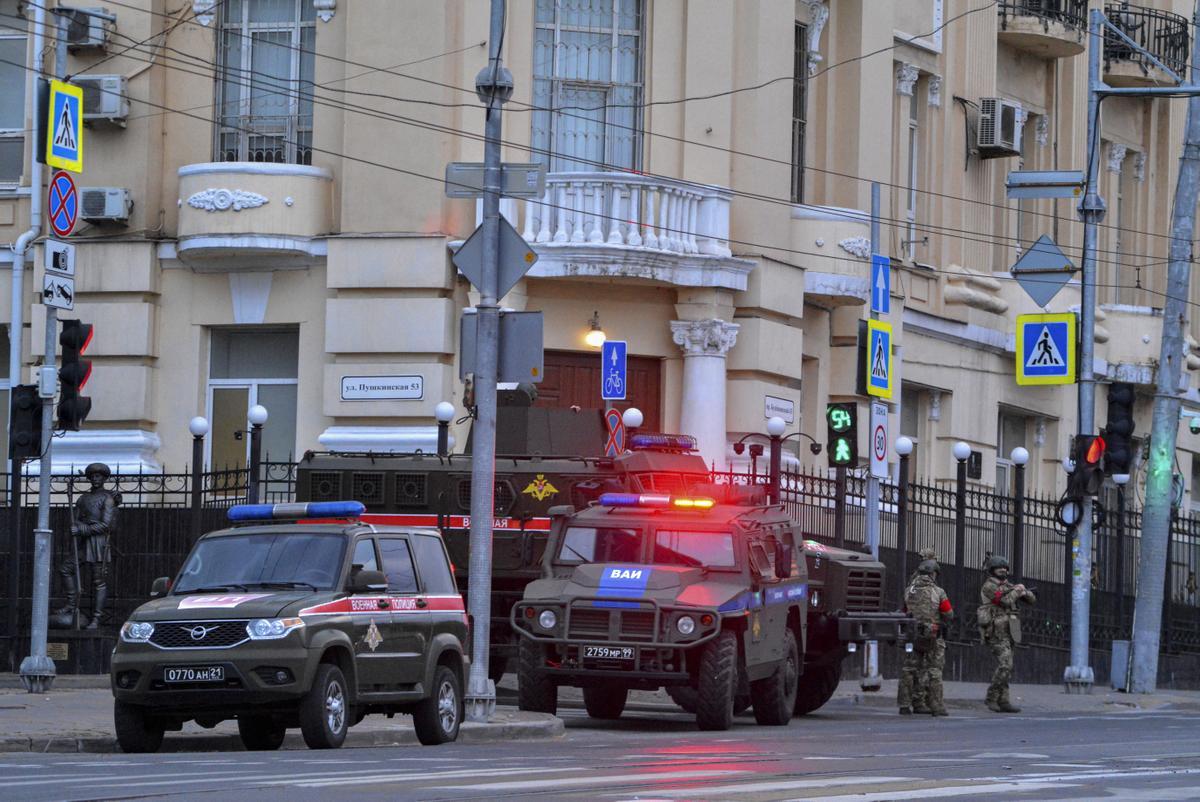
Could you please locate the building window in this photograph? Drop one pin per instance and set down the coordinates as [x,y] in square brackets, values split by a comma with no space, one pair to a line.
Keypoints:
[1125,271]
[799,111]
[12,92]
[248,367]
[1011,433]
[910,423]
[587,84]
[265,81]
[912,183]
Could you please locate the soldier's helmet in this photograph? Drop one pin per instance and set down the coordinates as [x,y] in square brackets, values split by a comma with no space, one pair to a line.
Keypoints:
[929,567]
[996,562]
[97,467]
[928,553]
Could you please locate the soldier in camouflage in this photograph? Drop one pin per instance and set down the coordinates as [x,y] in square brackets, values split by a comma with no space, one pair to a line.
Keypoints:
[921,676]
[909,662]
[1000,628]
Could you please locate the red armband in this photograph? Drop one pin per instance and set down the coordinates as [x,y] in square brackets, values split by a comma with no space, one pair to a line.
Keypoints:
[999,595]
[945,607]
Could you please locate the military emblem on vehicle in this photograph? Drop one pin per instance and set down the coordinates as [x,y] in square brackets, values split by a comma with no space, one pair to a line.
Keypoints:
[373,638]
[540,488]
[200,632]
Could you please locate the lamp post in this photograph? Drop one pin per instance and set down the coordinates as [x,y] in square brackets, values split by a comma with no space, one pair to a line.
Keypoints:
[1120,480]
[1019,457]
[961,452]
[257,416]
[775,429]
[632,419]
[904,447]
[198,426]
[444,412]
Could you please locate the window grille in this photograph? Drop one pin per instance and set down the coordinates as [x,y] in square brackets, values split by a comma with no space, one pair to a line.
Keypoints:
[799,112]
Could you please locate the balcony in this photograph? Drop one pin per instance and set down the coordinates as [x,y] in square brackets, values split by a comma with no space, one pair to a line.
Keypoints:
[633,226]
[843,235]
[252,216]
[1159,32]
[1046,28]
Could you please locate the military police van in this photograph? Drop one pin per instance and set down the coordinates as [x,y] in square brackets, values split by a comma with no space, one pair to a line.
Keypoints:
[300,616]
[712,595]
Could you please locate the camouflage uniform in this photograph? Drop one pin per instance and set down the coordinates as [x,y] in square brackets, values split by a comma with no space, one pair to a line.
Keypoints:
[921,675]
[1001,629]
[912,660]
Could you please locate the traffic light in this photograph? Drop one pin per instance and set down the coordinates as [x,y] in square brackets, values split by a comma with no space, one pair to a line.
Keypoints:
[73,408]
[1118,455]
[842,441]
[1088,476]
[25,424]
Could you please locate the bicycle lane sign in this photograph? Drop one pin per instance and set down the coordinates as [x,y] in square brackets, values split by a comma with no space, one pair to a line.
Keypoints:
[612,370]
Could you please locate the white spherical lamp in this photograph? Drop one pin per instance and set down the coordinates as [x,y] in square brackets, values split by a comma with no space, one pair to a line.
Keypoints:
[258,415]
[1019,456]
[904,446]
[776,426]
[961,451]
[444,412]
[198,426]
[632,418]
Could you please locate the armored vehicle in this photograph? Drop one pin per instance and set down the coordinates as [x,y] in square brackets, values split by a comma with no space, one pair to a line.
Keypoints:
[435,491]
[712,595]
[283,622]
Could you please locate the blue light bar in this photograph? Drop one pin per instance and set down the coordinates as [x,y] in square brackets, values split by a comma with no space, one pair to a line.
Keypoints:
[293,512]
[634,500]
[668,442]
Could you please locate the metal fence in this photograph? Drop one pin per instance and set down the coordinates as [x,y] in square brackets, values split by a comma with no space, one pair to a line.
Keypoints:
[1161,33]
[815,500]
[1071,13]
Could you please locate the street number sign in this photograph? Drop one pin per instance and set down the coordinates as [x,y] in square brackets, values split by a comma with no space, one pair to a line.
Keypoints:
[1046,349]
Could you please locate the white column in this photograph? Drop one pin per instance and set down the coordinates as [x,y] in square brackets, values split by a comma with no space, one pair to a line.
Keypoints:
[702,410]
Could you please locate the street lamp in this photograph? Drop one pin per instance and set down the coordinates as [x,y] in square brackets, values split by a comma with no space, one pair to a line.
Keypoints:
[595,336]
[775,429]
[198,426]
[444,412]
[257,416]
[904,447]
[961,452]
[632,418]
[1019,457]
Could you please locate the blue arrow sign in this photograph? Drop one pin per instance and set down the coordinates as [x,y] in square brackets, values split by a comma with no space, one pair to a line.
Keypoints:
[612,370]
[881,284]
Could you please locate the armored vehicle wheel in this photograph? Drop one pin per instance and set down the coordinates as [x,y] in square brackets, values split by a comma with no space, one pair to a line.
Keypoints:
[136,731]
[536,692]
[605,702]
[717,683]
[261,733]
[437,718]
[325,709]
[817,686]
[775,696]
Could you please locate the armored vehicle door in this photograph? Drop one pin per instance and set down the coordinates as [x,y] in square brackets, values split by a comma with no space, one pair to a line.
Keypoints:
[370,617]
[409,630]
[771,587]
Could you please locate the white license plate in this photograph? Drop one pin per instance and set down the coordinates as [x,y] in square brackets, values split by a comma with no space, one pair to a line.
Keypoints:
[195,674]
[608,652]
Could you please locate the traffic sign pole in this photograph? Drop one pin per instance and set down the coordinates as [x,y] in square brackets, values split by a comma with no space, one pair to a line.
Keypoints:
[871,680]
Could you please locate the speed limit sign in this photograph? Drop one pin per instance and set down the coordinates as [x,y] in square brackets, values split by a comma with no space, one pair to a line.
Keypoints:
[879,440]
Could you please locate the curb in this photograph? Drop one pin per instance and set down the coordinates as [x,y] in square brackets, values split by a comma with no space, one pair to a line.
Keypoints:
[532,726]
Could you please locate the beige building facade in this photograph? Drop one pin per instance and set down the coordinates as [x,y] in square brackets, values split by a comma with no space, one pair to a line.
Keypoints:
[289,241]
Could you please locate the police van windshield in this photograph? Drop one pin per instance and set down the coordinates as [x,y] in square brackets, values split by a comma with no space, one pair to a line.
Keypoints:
[264,561]
[710,549]
[592,544]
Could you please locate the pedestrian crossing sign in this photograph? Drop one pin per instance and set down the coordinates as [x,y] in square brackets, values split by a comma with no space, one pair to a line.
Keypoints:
[879,359]
[1046,349]
[64,127]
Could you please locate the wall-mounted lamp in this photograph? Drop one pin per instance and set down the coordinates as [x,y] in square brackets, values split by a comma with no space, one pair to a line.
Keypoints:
[595,336]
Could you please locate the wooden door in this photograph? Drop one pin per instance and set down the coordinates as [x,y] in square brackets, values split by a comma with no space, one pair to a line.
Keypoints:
[573,379]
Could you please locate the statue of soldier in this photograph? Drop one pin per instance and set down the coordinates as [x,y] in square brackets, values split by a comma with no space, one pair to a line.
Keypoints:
[95,522]
[920,688]
[1000,627]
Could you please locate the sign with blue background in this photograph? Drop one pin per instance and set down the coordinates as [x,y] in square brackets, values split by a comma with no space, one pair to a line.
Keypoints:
[613,372]
[623,581]
[1046,349]
[881,284]
[879,359]
[64,127]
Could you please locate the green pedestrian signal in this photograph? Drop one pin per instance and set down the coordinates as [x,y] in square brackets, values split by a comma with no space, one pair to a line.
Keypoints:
[842,437]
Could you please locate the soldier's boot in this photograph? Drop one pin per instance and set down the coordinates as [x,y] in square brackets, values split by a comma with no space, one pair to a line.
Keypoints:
[72,594]
[1006,706]
[993,701]
[906,711]
[937,705]
[921,708]
[100,599]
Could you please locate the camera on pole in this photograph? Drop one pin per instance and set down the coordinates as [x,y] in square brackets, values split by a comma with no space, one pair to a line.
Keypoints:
[73,408]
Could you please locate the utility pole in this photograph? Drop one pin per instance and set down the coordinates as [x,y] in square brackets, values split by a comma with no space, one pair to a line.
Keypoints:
[1156,516]
[493,85]
[871,680]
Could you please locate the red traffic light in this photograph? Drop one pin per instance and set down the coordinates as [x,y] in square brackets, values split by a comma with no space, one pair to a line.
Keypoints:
[1095,451]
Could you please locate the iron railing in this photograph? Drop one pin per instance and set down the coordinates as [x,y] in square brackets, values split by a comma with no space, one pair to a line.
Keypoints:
[1161,33]
[1071,13]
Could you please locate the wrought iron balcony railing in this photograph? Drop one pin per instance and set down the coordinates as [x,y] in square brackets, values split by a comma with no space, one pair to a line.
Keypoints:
[1160,32]
[1071,13]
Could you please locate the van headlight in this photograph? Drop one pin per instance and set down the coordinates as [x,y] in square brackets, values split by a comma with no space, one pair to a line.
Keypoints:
[547,619]
[686,625]
[137,631]
[272,628]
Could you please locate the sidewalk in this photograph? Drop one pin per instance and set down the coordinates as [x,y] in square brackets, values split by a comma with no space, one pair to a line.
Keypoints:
[79,719]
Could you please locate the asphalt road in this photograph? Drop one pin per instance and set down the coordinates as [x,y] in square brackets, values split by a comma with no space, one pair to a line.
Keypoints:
[844,752]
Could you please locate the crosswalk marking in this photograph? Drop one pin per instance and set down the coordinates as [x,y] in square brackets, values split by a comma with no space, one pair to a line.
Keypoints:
[976,790]
[779,785]
[622,779]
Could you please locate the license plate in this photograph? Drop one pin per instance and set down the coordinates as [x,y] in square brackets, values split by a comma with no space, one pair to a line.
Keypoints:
[608,652]
[195,674]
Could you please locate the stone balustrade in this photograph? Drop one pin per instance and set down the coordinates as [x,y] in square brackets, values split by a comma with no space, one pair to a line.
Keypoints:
[630,210]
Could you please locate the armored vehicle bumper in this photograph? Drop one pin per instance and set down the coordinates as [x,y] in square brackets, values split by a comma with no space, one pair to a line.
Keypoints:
[887,627]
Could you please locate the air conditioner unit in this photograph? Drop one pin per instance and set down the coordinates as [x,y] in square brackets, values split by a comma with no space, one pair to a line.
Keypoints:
[105,98]
[106,204]
[1000,123]
[86,31]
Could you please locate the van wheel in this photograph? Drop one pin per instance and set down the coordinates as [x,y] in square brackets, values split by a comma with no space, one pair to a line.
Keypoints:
[817,686]
[438,717]
[536,693]
[136,731]
[260,733]
[325,709]
[605,702]
[717,685]
[775,696]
